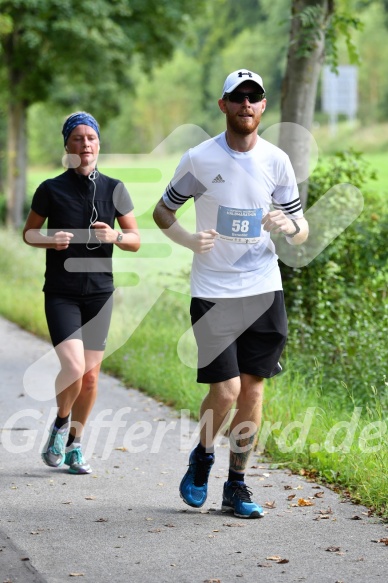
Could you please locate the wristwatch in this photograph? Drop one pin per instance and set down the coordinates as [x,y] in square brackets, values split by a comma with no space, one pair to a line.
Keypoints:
[297,229]
[119,237]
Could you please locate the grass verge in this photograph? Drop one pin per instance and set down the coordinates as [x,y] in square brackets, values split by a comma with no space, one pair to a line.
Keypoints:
[344,447]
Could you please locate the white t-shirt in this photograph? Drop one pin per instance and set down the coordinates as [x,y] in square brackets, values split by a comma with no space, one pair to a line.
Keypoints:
[232,192]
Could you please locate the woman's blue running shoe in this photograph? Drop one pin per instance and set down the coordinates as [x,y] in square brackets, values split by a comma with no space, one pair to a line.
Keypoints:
[75,460]
[53,453]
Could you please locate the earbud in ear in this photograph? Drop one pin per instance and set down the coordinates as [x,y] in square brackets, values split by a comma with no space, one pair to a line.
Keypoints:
[66,148]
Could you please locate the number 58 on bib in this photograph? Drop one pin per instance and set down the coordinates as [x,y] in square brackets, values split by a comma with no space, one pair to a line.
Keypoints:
[239,225]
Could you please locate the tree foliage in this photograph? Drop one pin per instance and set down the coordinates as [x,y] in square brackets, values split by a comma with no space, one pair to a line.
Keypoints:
[86,45]
[96,38]
[316,26]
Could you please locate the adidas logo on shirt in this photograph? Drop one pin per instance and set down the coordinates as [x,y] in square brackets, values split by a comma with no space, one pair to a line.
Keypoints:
[218,179]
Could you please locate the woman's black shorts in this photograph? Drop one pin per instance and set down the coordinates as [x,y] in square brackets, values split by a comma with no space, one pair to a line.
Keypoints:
[239,335]
[86,318]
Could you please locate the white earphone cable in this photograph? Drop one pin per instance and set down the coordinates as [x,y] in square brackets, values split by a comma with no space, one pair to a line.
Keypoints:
[94,216]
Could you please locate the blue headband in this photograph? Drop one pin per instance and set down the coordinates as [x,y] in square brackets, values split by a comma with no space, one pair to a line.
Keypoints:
[77,119]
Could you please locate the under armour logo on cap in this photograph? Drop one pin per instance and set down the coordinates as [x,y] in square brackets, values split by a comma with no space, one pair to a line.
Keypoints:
[237,77]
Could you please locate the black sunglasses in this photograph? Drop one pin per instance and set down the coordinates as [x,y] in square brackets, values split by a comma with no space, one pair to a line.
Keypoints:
[240,96]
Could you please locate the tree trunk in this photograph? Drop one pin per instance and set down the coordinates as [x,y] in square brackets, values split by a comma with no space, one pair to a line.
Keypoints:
[3,146]
[17,163]
[299,89]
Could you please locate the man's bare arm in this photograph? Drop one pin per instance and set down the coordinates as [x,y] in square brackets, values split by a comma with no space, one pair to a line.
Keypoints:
[165,218]
[278,222]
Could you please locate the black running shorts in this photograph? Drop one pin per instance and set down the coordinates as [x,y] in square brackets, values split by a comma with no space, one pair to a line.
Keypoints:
[86,318]
[239,335]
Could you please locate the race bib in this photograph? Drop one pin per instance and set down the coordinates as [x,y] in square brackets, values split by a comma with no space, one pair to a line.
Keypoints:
[239,225]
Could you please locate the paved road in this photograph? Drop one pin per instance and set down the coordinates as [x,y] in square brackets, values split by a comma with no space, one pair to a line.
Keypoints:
[126,523]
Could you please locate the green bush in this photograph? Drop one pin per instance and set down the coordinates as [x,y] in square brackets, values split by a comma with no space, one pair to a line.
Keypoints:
[337,304]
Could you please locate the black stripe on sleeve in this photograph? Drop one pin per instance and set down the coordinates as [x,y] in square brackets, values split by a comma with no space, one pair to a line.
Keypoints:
[289,207]
[174,196]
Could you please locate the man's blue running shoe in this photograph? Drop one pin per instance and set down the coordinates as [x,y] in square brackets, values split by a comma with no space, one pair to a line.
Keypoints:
[76,461]
[237,497]
[53,453]
[193,487]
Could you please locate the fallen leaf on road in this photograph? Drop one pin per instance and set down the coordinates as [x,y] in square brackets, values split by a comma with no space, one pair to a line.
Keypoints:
[270,504]
[381,540]
[322,517]
[319,494]
[231,524]
[278,559]
[156,530]
[304,502]
[356,517]
[291,496]
[76,574]
[212,581]
[328,511]
[101,520]
[264,565]
[90,497]
[121,448]
[333,549]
